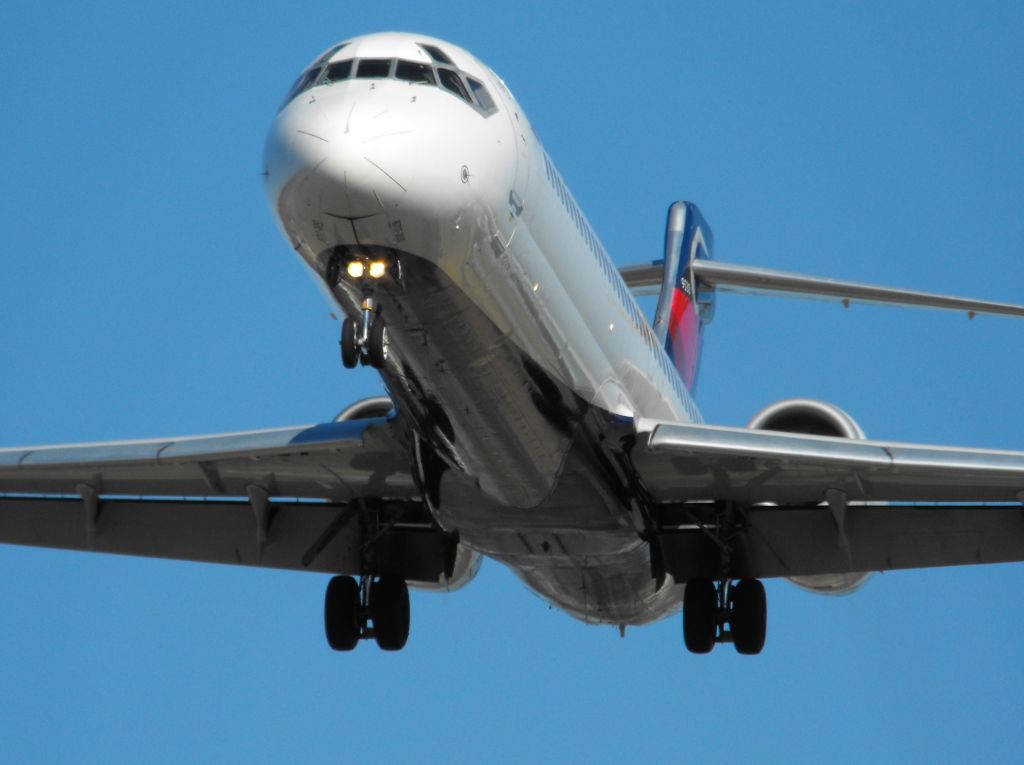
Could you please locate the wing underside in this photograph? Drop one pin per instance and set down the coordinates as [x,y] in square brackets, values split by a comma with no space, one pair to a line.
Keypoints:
[321,498]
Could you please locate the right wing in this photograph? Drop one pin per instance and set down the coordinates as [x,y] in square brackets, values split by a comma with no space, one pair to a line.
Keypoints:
[294,498]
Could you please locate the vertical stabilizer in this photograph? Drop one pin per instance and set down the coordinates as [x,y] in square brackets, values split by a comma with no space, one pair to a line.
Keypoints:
[685,305]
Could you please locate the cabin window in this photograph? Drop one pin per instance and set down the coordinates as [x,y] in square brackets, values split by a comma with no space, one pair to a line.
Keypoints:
[410,71]
[483,98]
[374,67]
[436,53]
[451,81]
[340,70]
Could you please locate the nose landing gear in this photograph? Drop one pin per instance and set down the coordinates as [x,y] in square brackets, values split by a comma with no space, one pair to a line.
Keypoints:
[708,607]
[365,341]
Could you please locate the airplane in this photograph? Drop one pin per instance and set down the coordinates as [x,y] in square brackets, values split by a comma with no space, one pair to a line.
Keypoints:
[534,415]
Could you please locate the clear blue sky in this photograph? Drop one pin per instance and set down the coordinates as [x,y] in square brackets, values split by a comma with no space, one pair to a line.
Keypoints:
[146,292]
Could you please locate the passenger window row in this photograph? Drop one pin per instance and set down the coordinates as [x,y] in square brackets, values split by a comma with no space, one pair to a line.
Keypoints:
[600,254]
[626,299]
[442,74]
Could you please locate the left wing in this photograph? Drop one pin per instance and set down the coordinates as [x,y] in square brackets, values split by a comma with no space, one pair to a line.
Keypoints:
[291,498]
[810,505]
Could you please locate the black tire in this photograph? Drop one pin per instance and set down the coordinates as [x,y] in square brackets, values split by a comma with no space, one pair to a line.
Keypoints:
[341,613]
[748,619]
[377,343]
[349,346]
[389,609]
[700,615]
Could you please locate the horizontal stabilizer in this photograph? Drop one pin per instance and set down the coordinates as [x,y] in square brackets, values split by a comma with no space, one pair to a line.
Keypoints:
[731,277]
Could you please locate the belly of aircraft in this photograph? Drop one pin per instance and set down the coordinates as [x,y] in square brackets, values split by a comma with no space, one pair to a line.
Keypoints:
[496,389]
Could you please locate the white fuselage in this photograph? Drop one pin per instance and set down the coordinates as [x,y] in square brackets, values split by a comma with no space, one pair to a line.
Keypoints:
[514,340]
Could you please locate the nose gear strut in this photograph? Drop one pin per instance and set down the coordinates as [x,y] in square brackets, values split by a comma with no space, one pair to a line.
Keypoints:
[365,341]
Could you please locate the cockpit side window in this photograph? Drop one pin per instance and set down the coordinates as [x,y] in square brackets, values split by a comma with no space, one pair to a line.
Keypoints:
[374,67]
[339,70]
[437,54]
[410,71]
[451,81]
[328,55]
[483,98]
[306,80]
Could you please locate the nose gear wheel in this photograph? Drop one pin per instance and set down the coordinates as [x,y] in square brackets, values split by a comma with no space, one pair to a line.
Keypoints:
[349,344]
[377,343]
[366,341]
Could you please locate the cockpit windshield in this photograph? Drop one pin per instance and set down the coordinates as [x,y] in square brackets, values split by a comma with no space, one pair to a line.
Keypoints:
[339,70]
[410,71]
[445,75]
[451,81]
[373,67]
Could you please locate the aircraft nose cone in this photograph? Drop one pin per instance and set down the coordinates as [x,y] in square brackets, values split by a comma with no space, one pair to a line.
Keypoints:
[379,166]
[342,162]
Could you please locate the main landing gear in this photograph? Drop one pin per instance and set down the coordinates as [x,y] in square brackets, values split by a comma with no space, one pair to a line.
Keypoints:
[365,341]
[349,607]
[709,606]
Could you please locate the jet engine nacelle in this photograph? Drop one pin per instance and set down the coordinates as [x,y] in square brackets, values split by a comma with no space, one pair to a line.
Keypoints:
[805,415]
[816,418]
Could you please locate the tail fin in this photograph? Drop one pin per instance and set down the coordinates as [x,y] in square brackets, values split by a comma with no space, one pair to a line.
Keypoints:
[685,305]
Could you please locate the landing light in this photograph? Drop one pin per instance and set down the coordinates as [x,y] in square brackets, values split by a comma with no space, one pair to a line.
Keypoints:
[377,269]
[355,269]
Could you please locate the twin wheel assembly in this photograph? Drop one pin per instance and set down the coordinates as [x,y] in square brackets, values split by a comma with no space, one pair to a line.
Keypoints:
[708,607]
[365,341]
[350,607]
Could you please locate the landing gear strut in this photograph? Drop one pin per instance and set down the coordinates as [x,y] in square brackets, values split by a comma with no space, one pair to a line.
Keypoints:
[708,607]
[365,341]
[350,607]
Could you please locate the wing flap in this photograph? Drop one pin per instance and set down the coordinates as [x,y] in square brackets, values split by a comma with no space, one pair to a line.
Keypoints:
[213,532]
[300,536]
[791,542]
